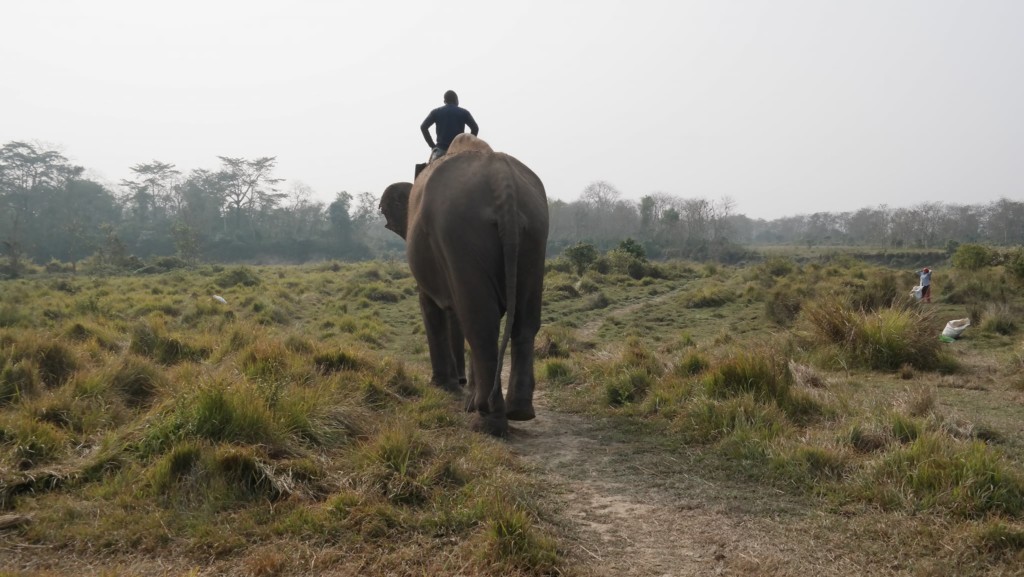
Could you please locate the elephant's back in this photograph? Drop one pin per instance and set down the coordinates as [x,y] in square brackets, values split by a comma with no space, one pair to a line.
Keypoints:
[467,185]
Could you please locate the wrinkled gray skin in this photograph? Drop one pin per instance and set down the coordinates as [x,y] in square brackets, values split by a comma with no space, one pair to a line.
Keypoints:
[476,227]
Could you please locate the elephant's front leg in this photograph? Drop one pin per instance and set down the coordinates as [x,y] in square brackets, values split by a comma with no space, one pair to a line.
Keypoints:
[444,369]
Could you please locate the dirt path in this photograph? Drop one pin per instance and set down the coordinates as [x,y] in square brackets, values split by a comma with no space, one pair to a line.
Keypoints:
[637,510]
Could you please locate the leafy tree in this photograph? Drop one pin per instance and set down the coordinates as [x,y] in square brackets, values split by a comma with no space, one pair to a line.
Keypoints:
[581,255]
[249,185]
[341,221]
[634,248]
[186,242]
[28,177]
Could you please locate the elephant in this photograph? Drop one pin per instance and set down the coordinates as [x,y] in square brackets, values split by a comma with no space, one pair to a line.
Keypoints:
[475,224]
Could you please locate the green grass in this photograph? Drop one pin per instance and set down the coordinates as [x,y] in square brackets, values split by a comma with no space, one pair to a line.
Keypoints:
[141,419]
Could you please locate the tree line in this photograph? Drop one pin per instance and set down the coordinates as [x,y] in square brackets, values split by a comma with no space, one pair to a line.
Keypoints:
[239,211]
[236,211]
[926,225]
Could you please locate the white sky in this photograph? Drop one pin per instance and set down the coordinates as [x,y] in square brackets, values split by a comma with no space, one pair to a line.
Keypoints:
[787,107]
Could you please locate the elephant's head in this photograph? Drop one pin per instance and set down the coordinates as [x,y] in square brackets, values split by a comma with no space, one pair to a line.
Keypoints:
[394,205]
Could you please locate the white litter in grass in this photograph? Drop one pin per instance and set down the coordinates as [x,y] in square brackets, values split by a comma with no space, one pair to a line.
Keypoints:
[220,299]
[955,327]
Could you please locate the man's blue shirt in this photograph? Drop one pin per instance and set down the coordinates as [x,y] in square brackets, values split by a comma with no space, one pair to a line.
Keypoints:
[451,121]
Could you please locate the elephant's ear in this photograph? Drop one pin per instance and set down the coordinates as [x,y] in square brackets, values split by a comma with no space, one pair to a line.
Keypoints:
[394,204]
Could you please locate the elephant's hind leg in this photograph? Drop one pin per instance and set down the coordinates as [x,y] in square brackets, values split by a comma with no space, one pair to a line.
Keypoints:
[519,399]
[485,400]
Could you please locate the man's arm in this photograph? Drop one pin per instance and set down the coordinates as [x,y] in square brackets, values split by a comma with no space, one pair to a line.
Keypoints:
[425,129]
[472,124]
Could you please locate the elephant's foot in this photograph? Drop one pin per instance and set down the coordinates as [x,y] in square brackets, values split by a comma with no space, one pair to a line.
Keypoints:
[520,410]
[490,423]
[451,385]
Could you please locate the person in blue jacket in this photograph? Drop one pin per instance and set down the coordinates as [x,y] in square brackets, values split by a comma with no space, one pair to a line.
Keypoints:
[926,284]
[451,120]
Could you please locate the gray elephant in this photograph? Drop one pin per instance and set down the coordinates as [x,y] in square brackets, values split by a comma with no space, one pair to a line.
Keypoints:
[475,224]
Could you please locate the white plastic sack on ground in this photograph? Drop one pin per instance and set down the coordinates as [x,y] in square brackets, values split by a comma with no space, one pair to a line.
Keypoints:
[955,327]
[916,292]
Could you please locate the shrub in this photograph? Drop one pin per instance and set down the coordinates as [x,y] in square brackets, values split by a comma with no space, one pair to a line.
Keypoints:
[237,276]
[623,262]
[632,247]
[972,256]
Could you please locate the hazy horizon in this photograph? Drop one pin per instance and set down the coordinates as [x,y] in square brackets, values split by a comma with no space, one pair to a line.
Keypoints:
[786,107]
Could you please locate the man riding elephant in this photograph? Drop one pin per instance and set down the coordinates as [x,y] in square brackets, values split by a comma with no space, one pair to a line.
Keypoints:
[450,121]
[476,225]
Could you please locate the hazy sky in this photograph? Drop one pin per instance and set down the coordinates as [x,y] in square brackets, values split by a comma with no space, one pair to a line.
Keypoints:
[787,107]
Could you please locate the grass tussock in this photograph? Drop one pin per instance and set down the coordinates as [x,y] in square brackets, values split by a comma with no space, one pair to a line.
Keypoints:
[998,318]
[512,541]
[151,340]
[558,342]
[19,380]
[708,296]
[932,472]
[886,339]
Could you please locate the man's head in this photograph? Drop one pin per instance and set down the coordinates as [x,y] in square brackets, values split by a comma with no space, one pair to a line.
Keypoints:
[451,98]
[927,271]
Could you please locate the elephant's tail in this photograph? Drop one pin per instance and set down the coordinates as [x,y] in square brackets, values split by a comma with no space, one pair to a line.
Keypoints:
[505,193]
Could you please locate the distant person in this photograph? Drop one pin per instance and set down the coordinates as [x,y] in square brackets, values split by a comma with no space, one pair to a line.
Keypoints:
[450,121]
[926,284]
